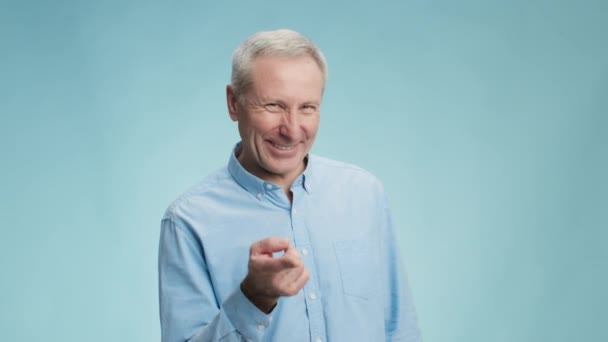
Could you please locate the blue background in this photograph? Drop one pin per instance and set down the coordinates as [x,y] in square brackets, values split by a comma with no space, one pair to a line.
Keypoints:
[487,121]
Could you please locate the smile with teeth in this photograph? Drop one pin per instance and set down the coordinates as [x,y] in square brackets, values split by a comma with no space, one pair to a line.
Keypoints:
[283,147]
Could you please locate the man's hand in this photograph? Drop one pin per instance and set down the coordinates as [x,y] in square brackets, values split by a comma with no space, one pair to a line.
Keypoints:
[269,278]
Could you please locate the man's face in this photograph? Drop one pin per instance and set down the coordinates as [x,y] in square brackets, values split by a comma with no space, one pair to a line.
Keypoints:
[278,116]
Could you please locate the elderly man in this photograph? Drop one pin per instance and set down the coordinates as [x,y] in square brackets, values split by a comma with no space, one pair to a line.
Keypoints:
[282,245]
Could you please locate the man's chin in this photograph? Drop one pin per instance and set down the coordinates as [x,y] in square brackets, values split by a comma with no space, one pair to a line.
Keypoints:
[283,168]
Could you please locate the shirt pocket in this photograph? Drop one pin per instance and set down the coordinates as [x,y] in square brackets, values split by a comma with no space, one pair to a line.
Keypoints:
[354,259]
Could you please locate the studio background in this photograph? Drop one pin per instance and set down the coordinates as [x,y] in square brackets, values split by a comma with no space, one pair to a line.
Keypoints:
[487,121]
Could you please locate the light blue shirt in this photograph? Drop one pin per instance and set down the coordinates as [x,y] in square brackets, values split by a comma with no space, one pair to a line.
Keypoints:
[340,223]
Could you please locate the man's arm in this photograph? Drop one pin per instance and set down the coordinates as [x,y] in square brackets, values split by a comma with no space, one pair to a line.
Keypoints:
[400,319]
[188,307]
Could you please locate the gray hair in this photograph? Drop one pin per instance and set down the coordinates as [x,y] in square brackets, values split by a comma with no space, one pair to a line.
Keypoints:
[282,42]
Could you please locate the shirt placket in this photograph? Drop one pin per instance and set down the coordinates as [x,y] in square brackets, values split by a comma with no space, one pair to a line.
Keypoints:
[312,296]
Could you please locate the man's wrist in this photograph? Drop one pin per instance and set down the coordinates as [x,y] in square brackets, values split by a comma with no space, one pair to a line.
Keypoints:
[264,303]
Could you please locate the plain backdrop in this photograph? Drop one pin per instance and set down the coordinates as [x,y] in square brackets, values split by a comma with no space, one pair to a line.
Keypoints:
[487,121]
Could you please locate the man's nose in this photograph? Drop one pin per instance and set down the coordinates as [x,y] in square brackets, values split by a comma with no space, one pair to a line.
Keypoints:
[290,125]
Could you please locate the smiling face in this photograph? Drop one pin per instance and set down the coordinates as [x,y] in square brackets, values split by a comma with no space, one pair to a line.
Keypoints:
[278,116]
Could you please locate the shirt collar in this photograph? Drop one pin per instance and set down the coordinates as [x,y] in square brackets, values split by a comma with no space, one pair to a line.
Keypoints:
[307,176]
[257,186]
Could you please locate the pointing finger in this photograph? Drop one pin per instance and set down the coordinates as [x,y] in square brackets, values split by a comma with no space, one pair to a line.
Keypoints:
[269,245]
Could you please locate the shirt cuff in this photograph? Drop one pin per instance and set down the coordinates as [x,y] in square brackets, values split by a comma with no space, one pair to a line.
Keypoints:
[246,318]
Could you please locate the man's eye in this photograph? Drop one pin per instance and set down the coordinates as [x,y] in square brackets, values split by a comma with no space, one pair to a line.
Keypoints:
[309,109]
[273,107]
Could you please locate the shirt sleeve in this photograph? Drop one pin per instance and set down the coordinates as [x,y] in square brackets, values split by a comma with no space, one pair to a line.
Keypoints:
[189,310]
[400,320]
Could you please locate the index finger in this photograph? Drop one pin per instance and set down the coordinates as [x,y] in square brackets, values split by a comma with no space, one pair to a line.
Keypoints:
[269,245]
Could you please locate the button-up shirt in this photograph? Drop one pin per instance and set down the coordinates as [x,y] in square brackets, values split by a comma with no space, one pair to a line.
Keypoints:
[339,221]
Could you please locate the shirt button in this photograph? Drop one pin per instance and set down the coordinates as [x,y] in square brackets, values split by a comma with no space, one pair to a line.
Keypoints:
[319,339]
[294,211]
[268,186]
[304,251]
[261,327]
[260,195]
[313,296]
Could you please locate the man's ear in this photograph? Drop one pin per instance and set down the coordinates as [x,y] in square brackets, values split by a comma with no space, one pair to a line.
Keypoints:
[231,101]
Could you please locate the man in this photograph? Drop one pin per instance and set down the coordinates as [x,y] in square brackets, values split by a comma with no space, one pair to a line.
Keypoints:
[282,245]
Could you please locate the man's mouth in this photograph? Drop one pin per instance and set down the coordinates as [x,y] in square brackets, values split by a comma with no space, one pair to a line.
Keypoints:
[282,147]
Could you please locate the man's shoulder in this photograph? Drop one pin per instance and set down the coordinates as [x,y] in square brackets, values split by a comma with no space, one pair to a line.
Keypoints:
[332,170]
[200,191]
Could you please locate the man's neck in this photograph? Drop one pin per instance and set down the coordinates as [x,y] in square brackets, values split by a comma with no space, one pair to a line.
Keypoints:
[284,181]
